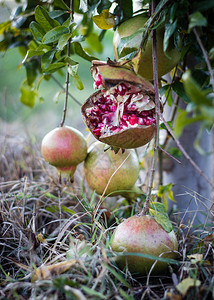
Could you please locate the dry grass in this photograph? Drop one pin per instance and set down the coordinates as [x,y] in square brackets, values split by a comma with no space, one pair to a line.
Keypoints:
[55,244]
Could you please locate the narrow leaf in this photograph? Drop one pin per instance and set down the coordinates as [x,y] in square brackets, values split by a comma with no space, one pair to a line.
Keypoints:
[178,88]
[37,31]
[30,71]
[61,4]
[80,51]
[169,30]
[43,18]
[31,53]
[54,34]
[194,91]
[63,41]
[54,67]
[196,19]
[47,58]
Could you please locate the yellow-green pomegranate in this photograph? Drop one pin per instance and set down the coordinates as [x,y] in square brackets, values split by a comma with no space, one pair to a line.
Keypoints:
[165,62]
[100,165]
[143,235]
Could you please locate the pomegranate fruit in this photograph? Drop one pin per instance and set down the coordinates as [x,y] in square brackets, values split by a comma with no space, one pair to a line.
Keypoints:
[122,113]
[64,148]
[166,62]
[100,165]
[142,234]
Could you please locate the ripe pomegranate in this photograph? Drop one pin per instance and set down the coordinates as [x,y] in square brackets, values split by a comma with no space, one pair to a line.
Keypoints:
[143,235]
[166,62]
[122,113]
[99,166]
[64,148]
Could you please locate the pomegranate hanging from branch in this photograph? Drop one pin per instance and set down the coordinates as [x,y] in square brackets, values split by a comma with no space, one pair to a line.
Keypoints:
[122,112]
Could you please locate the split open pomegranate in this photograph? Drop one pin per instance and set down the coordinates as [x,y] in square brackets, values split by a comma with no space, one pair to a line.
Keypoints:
[122,112]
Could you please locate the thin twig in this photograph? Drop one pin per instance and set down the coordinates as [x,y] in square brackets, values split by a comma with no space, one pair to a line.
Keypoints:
[69,94]
[205,57]
[157,111]
[186,155]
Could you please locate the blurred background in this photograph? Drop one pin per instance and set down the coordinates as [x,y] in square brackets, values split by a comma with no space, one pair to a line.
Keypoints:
[16,118]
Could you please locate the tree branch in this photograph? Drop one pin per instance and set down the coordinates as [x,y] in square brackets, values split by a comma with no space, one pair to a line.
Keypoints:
[67,74]
[157,112]
[186,155]
[209,67]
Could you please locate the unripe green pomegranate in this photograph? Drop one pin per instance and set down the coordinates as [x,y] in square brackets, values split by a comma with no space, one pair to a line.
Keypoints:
[142,234]
[165,62]
[100,165]
[64,148]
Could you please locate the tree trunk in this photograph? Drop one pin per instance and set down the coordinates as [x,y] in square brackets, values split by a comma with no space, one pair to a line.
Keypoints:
[193,194]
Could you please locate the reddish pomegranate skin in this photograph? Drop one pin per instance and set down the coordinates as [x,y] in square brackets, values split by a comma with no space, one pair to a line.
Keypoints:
[143,235]
[64,148]
[100,165]
[122,113]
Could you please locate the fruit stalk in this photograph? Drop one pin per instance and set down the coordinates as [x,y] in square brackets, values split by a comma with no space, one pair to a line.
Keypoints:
[67,73]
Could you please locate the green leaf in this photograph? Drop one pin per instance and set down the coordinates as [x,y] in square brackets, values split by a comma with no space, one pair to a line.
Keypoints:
[158,211]
[57,13]
[105,20]
[47,58]
[93,293]
[28,94]
[178,88]
[54,34]
[37,31]
[182,121]
[196,19]
[61,4]
[80,51]
[77,82]
[30,71]
[54,67]
[93,41]
[72,62]
[43,18]
[194,91]
[5,26]
[31,53]
[63,40]
[117,276]
[169,30]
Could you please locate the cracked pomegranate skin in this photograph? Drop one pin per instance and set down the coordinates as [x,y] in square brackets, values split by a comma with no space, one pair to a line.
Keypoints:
[122,113]
[165,62]
[143,235]
[100,165]
[64,148]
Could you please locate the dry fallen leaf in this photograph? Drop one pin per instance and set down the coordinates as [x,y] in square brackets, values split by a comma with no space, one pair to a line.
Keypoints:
[187,283]
[48,271]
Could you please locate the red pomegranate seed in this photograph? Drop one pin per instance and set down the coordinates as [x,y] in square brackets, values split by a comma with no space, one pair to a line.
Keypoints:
[97,131]
[133,119]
